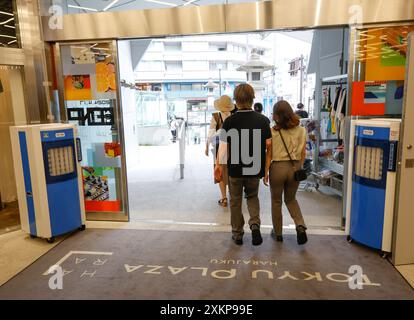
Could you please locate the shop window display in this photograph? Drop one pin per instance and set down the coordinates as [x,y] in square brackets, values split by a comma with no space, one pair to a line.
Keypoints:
[89,78]
[380,58]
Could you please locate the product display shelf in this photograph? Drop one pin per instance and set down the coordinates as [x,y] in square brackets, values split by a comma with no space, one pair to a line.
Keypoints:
[331,165]
[335,181]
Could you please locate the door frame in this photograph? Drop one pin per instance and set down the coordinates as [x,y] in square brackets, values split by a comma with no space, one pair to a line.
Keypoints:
[351,65]
[123,185]
[403,252]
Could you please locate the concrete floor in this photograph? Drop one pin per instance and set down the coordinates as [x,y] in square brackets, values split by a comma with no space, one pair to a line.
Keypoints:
[156,192]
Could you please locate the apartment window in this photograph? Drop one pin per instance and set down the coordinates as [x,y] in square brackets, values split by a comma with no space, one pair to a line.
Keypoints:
[218,46]
[156,87]
[238,48]
[236,65]
[175,87]
[195,65]
[157,46]
[186,87]
[197,87]
[174,66]
[218,65]
[151,66]
[256,76]
[195,46]
[172,46]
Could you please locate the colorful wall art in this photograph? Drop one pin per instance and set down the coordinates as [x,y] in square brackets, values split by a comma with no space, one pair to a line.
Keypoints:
[78,87]
[368,98]
[99,189]
[384,51]
[105,77]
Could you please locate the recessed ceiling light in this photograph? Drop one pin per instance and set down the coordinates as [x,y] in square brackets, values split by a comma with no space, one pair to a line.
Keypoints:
[7,13]
[5,22]
[163,2]
[189,2]
[111,5]
[13,41]
[82,8]
[11,27]
[7,36]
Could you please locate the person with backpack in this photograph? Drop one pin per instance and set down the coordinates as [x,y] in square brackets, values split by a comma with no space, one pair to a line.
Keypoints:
[224,106]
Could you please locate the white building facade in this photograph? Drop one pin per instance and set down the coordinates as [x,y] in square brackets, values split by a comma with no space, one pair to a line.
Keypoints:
[173,73]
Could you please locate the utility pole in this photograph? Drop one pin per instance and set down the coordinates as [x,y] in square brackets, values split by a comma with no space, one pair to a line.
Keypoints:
[297,65]
[220,81]
[301,79]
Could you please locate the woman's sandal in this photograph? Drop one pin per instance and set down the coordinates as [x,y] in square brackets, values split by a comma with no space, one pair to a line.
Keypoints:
[223,202]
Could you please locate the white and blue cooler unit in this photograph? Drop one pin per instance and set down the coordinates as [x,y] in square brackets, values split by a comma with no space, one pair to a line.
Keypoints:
[49,179]
[371,191]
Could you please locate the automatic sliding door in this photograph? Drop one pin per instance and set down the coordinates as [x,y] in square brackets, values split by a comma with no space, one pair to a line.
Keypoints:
[91,99]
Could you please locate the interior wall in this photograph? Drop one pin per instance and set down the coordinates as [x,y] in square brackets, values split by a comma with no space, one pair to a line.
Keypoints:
[12,111]
[329,46]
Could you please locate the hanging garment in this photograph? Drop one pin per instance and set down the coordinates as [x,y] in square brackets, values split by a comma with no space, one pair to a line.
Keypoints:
[332,114]
[325,99]
[328,107]
[338,92]
[336,99]
[329,125]
[343,114]
[340,114]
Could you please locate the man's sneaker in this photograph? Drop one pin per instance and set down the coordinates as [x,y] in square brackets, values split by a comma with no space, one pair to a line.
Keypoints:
[301,235]
[238,241]
[275,237]
[256,235]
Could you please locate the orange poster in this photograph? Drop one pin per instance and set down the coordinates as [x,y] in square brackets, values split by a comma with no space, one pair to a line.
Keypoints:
[384,50]
[105,77]
[78,87]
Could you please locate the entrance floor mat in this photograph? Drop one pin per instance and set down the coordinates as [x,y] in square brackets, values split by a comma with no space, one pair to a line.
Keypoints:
[136,264]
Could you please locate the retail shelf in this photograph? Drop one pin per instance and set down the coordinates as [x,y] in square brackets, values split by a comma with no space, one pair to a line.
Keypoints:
[335,78]
[332,165]
[338,193]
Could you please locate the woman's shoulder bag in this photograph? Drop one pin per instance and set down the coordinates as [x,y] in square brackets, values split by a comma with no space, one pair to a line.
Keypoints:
[300,175]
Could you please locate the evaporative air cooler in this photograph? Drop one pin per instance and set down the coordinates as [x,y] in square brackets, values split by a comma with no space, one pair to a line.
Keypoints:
[49,179]
[372,181]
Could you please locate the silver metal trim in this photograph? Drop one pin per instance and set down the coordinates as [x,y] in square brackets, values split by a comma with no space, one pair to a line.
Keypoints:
[12,56]
[403,218]
[59,80]
[240,17]
[120,125]
[35,73]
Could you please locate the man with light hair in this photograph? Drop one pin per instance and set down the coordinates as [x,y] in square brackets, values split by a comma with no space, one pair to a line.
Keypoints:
[245,138]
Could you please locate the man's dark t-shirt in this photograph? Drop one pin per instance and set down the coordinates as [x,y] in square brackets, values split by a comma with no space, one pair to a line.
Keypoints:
[245,122]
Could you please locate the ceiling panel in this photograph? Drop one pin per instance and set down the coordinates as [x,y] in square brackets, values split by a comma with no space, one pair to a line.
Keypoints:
[7,25]
[84,6]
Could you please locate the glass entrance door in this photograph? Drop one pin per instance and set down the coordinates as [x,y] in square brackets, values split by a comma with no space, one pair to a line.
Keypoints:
[89,81]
